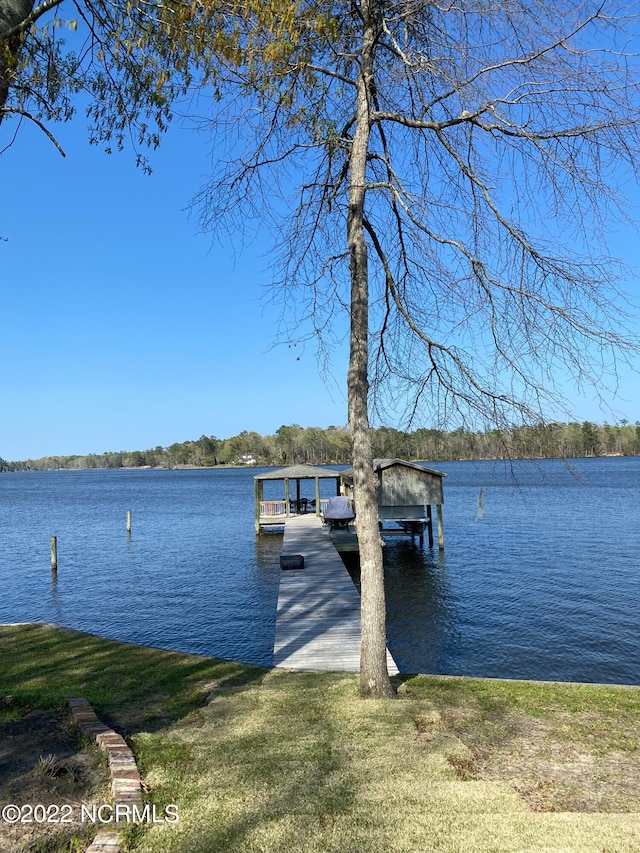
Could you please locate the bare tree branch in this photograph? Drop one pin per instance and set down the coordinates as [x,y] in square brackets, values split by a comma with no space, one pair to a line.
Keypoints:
[39,124]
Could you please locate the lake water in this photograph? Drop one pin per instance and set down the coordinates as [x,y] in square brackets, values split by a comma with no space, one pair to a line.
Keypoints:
[542,582]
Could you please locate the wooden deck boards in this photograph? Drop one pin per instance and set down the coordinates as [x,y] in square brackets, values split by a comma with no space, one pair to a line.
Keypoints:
[318,616]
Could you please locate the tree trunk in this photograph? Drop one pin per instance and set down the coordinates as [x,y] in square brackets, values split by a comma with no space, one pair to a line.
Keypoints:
[12,13]
[374,677]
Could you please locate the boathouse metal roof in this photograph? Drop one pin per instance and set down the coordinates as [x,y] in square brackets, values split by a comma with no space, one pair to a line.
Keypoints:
[298,472]
[381,464]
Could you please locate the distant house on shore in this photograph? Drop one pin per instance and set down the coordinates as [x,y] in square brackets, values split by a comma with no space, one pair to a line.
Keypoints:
[247,459]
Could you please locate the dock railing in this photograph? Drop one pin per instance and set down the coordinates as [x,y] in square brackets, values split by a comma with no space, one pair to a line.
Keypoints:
[271,509]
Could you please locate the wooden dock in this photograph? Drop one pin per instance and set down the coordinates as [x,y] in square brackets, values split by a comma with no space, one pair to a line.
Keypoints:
[318,616]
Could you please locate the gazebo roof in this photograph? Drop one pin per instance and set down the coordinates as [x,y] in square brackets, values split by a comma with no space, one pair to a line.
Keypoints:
[298,472]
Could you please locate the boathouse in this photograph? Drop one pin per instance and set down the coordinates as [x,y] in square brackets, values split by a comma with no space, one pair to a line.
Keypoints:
[406,494]
[274,513]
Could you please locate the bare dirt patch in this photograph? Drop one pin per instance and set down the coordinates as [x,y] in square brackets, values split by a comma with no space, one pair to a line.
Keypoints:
[44,761]
[549,767]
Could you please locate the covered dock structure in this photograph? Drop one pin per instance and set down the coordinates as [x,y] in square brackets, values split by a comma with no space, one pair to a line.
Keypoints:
[274,513]
[406,493]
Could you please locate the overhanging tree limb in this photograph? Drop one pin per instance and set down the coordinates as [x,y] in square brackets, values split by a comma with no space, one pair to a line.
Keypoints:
[26,22]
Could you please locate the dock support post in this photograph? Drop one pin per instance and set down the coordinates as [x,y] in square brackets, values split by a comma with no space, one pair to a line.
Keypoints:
[129,522]
[440,527]
[259,494]
[54,554]
[287,498]
[430,525]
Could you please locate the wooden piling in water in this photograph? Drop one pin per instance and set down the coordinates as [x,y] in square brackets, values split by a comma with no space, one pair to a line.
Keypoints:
[129,522]
[430,525]
[54,553]
[440,528]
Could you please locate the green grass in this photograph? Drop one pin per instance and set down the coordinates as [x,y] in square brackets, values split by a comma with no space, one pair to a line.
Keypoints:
[135,685]
[277,761]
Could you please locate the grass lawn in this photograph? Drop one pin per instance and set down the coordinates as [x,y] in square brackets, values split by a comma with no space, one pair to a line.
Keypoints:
[279,761]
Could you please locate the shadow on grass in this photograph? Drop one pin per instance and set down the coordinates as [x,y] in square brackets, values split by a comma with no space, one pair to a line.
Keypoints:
[131,687]
[279,768]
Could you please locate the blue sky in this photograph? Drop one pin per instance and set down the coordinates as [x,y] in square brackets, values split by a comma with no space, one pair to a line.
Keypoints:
[124,328]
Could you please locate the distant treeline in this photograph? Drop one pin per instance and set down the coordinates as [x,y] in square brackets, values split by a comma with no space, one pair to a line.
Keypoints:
[317,446]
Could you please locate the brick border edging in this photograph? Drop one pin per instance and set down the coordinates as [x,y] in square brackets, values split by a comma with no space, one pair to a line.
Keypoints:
[125,778]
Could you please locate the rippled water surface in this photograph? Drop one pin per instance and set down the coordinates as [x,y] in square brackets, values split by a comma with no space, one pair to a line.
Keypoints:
[541,581]
[192,577]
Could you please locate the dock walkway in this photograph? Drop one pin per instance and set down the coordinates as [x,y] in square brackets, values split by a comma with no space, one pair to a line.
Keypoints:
[318,616]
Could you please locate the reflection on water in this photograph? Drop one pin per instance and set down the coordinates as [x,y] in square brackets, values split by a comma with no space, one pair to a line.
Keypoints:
[422,618]
[54,601]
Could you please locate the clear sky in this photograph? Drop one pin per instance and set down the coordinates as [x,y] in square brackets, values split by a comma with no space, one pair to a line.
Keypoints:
[123,328]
